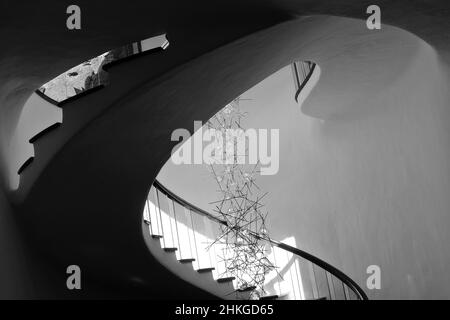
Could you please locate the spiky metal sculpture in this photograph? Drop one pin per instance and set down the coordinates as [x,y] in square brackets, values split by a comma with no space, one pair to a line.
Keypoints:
[243,237]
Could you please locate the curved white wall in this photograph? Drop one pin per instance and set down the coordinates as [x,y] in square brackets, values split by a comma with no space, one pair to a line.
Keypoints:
[37,115]
[364,169]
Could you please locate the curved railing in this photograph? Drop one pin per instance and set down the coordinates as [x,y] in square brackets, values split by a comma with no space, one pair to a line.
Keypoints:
[53,99]
[302,72]
[317,279]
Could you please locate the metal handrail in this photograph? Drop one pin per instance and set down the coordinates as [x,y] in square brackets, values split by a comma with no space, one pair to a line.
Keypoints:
[301,84]
[307,256]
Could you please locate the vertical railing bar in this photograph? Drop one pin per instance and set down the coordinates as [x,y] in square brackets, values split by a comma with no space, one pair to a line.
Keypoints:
[277,275]
[146,216]
[300,73]
[330,286]
[297,80]
[170,220]
[313,280]
[195,241]
[147,203]
[346,295]
[217,249]
[290,276]
[187,214]
[152,222]
[213,256]
[207,231]
[176,228]
[299,278]
[160,218]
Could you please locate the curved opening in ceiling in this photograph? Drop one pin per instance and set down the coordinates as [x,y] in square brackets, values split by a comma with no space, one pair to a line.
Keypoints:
[358,71]
[354,66]
[236,155]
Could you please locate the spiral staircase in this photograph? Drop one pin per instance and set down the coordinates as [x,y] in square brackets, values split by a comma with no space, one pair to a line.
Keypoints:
[188,235]
[174,230]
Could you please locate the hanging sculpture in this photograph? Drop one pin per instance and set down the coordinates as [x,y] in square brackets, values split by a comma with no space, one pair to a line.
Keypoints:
[243,237]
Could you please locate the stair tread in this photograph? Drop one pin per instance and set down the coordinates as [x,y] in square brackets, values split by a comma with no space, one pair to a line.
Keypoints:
[25,165]
[186,260]
[80,95]
[205,270]
[44,132]
[270,297]
[247,289]
[227,279]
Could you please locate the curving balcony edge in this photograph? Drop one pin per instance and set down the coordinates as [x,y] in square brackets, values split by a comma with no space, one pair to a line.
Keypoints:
[346,280]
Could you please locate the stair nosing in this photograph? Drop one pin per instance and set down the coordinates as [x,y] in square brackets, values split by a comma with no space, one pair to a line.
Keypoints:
[204,270]
[46,98]
[186,260]
[227,279]
[43,132]
[81,95]
[25,165]
[247,289]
